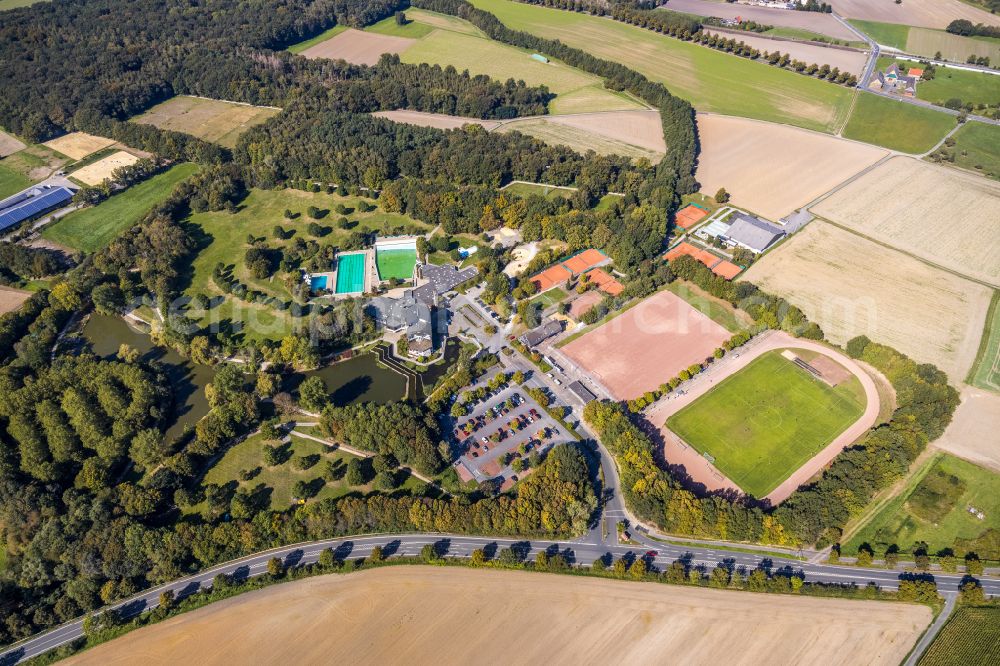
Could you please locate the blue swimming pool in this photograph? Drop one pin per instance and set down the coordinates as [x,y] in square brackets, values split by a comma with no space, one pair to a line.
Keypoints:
[318,283]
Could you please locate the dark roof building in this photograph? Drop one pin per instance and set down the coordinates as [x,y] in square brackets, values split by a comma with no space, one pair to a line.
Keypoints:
[752,232]
[543,332]
[440,280]
[406,314]
[582,392]
[32,203]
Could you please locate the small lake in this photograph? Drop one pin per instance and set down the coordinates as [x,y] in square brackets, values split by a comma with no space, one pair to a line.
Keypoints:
[359,379]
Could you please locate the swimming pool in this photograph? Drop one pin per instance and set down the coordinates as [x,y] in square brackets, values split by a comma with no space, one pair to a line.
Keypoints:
[351,273]
[317,283]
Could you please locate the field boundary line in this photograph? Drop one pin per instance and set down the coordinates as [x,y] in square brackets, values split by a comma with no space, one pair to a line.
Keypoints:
[984,341]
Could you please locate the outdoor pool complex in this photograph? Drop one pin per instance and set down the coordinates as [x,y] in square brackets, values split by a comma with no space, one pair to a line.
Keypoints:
[395,263]
[351,273]
[317,282]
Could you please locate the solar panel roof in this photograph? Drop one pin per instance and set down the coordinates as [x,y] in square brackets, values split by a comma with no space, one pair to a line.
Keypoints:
[25,209]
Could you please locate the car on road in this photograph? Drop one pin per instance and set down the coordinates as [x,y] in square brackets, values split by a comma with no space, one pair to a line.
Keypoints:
[651,554]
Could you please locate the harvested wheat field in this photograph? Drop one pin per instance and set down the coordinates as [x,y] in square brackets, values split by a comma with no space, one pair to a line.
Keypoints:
[853,286]
[646,345]
[942,215]
[11,299]
[9,144]
[438,120]
[972,433]
[77,145]
[96,173]
[635,134]
[772,169]
[213,120]
[819,22]
[922,13]
[843,59]
[360,48]
[446,615]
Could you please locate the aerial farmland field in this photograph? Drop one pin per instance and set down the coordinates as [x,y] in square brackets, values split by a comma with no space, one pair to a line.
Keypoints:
[631,133]
[709,79]
[843,59]
[922,13]
[977,148]
[896,125]
[853,286]
[213,120]
[928,211]
[951,83]
[816,22]
[96,173]
[416,611]
[971,636]
[360,48]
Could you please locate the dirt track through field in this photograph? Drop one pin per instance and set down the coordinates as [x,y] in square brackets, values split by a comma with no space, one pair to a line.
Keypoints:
[819,22]
[438,120]
[445,615]
[923,13]
[842,59]
[946,216]
[972,433]
[360,48]
[646,345]
[11,299]
[701,471]
[773,169]
[853,286]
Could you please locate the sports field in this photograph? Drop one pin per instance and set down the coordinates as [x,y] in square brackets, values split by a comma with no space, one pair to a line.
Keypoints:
[985,371]
[896,125]
[93,228]
[213,120]
[934,508]
[977,148]
[971,636]
[767,420]
[395,264]
[711,80]
[351,273]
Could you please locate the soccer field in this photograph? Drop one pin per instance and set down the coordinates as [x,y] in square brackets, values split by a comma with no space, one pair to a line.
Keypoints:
[767,420]
[395,264]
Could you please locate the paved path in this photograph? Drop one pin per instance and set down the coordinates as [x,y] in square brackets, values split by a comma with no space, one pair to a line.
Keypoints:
[700,470]
[932,632]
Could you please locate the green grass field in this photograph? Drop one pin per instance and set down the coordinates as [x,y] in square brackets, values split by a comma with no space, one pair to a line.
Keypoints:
[550,297]
[971,636]
[977,148]
[715,309]
[709,79]
[886,34]
[321,37]
[11,4]
[927,42]
[934,508]
[527,189]
[225,241]
[395,264]
[11,181]
[949,83]
[897,125]
[764,422]
[412,29]
[985,372]
[94,228]
[809,35]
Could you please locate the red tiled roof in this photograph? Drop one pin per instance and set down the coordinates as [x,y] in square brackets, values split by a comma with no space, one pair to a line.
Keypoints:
[915,71]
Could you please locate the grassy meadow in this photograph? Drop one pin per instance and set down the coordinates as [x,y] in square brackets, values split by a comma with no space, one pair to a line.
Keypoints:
[896,124]
[11,181]
[985,372]
[764,422]
[91,229]
[977,148]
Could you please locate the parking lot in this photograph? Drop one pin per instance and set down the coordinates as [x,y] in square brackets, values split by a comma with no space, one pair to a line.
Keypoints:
[493,428]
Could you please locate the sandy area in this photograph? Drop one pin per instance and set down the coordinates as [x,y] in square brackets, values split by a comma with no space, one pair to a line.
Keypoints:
[78,145]
[842,59]
[584,302]
[213,120]
[438,120]
[852,286]
[9,144]
[946,216]
[523,254]
[772,169]
[646,345]
[700,470]
[973,431]
[11,299]
[424,615]
[360,48]
[923,13]
[824,24]
[96,173]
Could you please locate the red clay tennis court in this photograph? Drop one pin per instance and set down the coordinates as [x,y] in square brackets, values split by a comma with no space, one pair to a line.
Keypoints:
[605,282]
[646,345]
[689,216]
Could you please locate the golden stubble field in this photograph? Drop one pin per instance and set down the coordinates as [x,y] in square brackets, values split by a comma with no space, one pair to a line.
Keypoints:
[631,133]
[213,120]
[360,48]
[843,59]
[96,173]
[424,615]
[852,286]
[923,13]
[773,169]
[942,215]
[77,145]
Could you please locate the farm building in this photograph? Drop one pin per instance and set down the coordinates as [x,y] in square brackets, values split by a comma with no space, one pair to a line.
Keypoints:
[409,315]
[689,216]
[752,233]
[894,81]
[32,203]
[564,271]
[543,332]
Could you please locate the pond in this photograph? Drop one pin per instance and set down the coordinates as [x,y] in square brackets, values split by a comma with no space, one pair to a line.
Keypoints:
[359,379]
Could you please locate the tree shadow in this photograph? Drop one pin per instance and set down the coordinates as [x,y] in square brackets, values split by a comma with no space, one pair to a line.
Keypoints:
[352,390]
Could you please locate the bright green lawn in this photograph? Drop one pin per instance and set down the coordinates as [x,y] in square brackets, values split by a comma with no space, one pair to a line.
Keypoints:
[799,33]
[886,34]
[915,515]
[971,636]
[977,147]
[321,37]
[527,189]
[395,264]
[411,29]
[896,124]
[764,422]
[11,181]
[711,80]
[93,228]
[951,83]
[225,241]
[550,297]
[715,309]
[985,372]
